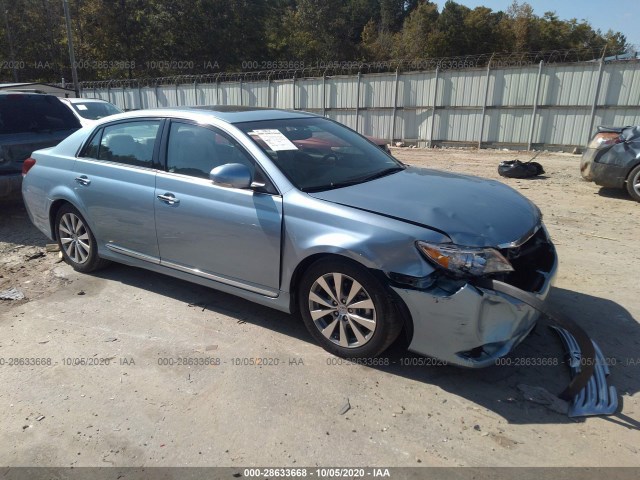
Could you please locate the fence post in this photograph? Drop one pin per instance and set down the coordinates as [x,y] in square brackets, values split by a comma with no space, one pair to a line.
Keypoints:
[241,91]
[217,91]
[324,94]
[269,91]
[484,102]
[395,108]
[155,91]
[177,97]
[535,106]
[595,101]
[293,91]
[124,99]
[195,91]
[433,108]
[358,102]
[139,95]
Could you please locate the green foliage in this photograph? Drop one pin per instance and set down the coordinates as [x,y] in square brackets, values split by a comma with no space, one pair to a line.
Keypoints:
[148,38]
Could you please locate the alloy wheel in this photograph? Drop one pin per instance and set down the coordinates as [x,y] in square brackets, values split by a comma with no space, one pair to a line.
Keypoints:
[74,238]
[342,310]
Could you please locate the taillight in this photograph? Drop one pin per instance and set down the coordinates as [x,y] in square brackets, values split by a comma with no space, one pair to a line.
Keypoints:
[605,139]
[27,164]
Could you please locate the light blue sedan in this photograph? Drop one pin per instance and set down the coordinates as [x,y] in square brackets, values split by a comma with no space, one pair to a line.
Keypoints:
[299,213]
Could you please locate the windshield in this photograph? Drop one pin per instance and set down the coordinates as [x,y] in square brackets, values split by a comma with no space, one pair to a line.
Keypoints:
[95,110]
[318,154]
[35,113]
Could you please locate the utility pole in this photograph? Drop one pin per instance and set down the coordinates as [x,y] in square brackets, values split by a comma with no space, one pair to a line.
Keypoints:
[72,56]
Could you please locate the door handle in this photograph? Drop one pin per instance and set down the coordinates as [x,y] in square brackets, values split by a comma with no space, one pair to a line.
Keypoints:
[168,198]
[83,180]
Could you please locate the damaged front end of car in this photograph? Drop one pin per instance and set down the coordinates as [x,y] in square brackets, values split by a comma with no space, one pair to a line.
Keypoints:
[480,303]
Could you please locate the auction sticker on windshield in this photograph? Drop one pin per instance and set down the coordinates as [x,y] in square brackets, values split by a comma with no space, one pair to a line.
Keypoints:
[274,139]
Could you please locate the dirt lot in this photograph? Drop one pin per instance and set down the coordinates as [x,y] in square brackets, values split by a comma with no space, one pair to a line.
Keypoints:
[302,407]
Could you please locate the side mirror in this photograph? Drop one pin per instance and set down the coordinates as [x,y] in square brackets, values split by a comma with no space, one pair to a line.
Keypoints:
[232,175]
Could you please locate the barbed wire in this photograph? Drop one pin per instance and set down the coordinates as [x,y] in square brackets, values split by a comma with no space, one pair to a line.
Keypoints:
[337,68]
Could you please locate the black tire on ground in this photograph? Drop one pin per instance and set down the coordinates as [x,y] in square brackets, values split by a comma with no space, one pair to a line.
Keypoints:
[371,338]
[634,180]
[76,241]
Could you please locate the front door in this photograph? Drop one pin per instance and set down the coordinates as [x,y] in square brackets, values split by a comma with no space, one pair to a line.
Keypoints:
[224,234]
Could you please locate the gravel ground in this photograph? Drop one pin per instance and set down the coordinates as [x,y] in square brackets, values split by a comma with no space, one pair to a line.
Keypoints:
[301,406]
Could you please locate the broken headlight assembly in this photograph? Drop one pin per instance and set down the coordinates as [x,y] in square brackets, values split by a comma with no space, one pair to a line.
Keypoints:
[465,261]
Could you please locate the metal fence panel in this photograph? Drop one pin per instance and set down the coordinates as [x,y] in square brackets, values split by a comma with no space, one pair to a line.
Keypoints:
[512,86]
[500,105]
[569,85]
[620,85]
[416,89]
[461,88]
[561,126]
[309,94]
[507,126]
[377,91]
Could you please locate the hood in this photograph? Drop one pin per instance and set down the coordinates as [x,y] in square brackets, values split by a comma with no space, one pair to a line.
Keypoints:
[472,211]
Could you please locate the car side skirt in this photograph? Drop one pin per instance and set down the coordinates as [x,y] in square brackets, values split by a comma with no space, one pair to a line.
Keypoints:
[280,302]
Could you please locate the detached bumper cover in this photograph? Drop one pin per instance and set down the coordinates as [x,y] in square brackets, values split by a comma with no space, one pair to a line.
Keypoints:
[597,397]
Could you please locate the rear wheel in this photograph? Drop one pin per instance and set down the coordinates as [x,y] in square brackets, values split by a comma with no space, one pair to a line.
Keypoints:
[347,310]
[633,183]
[76,241]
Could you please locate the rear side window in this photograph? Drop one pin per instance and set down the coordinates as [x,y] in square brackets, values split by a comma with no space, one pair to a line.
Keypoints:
[95,110]
[22,113]
[130,143]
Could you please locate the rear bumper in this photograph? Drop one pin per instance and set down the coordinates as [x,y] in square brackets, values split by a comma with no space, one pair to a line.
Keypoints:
[612,176]
[10,185]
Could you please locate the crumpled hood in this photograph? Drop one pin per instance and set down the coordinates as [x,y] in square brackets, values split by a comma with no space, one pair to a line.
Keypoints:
[472,211]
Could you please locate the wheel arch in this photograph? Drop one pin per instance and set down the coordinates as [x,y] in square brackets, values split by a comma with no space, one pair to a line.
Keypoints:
[301,268]
[53,213]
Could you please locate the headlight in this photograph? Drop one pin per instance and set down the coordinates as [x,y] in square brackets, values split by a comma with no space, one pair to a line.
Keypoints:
[465,261]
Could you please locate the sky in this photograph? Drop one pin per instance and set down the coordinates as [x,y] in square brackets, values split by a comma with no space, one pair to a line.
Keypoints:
[618,15]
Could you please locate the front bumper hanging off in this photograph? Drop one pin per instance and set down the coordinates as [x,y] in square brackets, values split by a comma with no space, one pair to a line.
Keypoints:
[596,398]
[588,392]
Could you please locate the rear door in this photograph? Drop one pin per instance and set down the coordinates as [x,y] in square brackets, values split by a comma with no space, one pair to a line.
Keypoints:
[224,234]
[115,180]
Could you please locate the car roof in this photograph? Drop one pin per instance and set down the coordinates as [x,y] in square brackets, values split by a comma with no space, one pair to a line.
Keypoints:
[83,100]
[226,113]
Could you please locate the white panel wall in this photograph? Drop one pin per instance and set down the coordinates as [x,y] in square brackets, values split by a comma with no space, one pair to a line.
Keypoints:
[566,96]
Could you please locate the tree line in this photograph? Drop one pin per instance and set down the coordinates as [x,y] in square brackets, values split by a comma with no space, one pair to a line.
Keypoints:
[150,38]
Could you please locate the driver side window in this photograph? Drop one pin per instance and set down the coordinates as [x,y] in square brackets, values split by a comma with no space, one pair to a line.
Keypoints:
[194,150]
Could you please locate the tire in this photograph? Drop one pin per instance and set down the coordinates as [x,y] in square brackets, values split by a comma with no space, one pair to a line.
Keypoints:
[361,332]
[633,183]
[76,241]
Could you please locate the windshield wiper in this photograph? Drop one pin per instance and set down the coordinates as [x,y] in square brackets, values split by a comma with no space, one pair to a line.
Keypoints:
[382,173]
[355,181]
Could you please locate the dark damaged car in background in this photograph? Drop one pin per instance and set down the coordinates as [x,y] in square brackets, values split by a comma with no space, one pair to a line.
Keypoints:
[242,200]
[28,122]
[612,159]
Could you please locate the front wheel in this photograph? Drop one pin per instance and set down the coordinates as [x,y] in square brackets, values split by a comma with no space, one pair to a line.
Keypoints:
[633,183]
[347,310]
[76,241]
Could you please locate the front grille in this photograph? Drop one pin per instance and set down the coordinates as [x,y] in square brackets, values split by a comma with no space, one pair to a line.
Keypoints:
[531,262]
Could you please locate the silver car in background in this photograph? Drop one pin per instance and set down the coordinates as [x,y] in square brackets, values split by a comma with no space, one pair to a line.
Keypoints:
[299,213]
